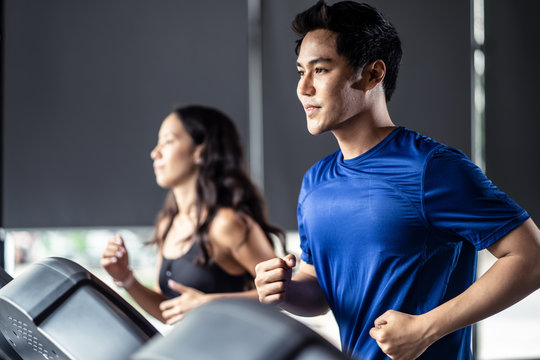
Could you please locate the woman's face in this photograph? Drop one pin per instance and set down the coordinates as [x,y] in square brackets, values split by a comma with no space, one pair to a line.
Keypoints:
[175,155]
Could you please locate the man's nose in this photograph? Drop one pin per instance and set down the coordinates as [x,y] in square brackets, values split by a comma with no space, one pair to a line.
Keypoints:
[305,86]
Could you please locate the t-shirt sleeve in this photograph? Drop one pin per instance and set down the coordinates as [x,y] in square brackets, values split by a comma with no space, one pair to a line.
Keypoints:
[460,199]
[304,243]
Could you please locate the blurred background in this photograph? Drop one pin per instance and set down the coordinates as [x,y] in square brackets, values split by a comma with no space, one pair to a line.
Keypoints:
[86,84]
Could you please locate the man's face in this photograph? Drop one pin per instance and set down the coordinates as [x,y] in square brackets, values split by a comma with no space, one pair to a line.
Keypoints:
[328,86]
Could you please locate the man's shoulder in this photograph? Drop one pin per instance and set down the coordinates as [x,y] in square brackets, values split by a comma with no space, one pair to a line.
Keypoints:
[430,148]
[414,139]
[320,172]
[323,166]
[420,148]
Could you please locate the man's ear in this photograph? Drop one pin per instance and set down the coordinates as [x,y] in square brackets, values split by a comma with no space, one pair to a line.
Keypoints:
[373,74]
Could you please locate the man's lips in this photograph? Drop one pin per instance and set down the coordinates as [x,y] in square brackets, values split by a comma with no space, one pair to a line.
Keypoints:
[311,109]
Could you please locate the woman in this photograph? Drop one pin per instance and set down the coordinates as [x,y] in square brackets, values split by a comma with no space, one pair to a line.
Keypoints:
[212,230]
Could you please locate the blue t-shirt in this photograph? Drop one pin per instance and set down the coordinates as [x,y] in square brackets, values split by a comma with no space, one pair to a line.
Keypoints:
[398,228]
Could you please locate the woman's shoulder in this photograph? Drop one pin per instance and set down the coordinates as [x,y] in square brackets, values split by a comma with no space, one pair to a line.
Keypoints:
[229,227]
[230,220]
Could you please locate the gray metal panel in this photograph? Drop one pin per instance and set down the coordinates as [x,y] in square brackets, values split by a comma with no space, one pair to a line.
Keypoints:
[512,89]
[87,84]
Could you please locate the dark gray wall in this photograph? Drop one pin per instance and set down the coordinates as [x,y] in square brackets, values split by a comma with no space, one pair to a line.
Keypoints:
[512,90]
[86,85]
[433,92]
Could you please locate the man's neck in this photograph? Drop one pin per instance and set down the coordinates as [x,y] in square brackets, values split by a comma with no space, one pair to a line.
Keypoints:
[363,132]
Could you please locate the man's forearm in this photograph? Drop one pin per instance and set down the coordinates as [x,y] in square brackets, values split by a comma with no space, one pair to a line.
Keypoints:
[508,281]
[514,275]
[305,297]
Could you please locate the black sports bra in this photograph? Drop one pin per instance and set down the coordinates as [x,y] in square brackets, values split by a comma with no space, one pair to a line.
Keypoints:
[209,278]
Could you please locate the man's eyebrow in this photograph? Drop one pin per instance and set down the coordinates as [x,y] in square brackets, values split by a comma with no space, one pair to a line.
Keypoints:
[316,61]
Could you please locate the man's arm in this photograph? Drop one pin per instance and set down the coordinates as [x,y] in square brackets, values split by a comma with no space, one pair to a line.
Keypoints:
[300,295]
[514,275]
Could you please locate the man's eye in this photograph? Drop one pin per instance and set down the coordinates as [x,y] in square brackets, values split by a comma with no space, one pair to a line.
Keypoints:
[319,70]
[301,72]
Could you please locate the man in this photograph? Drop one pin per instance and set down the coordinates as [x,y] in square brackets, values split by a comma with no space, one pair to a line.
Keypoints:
[390,224]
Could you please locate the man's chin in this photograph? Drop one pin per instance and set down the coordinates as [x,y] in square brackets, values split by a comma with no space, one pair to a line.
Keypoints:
[314,129]
[317,130]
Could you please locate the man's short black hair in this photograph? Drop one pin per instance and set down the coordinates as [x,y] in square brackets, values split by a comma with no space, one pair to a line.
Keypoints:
[363,35]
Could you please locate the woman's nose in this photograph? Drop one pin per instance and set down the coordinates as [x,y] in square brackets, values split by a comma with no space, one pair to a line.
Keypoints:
[154,153]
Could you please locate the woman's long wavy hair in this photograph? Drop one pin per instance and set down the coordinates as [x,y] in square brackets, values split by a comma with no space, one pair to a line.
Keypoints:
[222,180]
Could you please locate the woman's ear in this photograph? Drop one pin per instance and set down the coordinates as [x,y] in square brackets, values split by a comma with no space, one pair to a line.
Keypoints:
[197,154]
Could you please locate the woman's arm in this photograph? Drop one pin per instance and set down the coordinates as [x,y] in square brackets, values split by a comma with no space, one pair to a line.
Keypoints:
[303,296]
[238,245]
[239,242]
[115,260]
